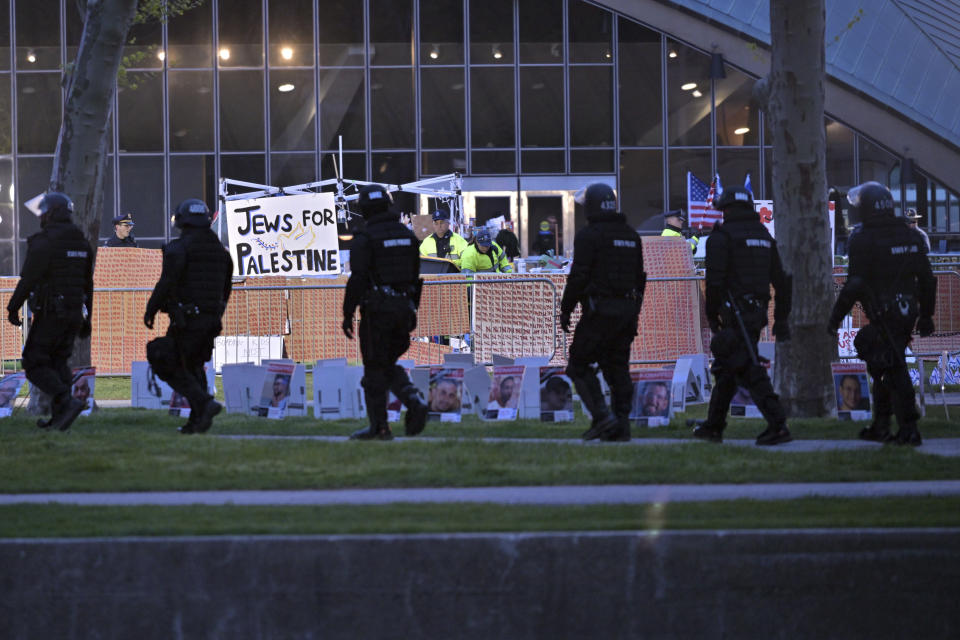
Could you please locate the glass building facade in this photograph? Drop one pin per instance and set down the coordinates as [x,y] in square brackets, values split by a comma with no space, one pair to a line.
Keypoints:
[557,93]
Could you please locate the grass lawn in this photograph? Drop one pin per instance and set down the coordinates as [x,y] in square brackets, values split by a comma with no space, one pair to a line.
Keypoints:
[139,450]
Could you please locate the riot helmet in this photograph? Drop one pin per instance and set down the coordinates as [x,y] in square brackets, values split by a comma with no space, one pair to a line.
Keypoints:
[55,206]
[192,213]
[734,196]
[374,199]
[870,200]
[597,198]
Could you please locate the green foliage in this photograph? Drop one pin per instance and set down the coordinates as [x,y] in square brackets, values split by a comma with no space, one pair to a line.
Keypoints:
[163,10]
[857,17]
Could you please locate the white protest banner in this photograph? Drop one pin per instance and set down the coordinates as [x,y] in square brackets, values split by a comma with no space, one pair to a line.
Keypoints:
[286,235]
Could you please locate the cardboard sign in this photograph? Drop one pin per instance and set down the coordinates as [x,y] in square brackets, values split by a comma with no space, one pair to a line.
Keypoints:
[281,391]
[852,389]
[556,395]
[286,235]
[504,398]
[651,405]
[444,394]
[84,383]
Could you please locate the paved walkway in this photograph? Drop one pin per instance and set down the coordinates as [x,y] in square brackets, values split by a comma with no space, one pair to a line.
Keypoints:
[553,495]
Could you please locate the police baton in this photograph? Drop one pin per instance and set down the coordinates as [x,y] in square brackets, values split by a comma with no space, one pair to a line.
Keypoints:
[743,328]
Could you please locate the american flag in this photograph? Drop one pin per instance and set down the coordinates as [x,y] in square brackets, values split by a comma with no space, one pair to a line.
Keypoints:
[699,199]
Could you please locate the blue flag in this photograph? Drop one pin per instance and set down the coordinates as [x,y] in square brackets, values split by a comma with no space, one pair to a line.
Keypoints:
[746,185]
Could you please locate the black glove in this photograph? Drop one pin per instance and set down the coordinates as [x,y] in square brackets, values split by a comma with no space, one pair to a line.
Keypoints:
[925,326]
[714,325]
[781,330]
[148,319]
[86,328]
[347,327]
[565,321]
[14,318]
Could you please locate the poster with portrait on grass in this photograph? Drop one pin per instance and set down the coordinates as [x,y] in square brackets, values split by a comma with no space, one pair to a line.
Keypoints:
[651,405]
[445,394]
[852,390]
[504,393]
[9,390]
[84,383]
[556,395]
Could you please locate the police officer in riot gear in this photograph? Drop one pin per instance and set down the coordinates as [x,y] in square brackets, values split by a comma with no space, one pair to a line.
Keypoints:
[742,262]
[385,283]
[890,275]
[608,280]
[57,277]
[193,289]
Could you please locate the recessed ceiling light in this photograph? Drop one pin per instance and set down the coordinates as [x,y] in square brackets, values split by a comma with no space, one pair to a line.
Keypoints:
[688,86]
[741,130]
[224,54]
[286,53]
[696,93]
[286,88]
[672,54]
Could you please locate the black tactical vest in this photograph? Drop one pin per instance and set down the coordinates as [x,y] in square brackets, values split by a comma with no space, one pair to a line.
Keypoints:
[208,267]
[70,261]
[885,252]
[750,256]
[615,248]
[394,252]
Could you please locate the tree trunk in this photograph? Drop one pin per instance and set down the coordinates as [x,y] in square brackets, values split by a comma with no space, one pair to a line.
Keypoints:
[81,147]
[795,111]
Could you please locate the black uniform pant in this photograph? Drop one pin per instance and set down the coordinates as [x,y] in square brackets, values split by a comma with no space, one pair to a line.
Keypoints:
[49,345]
[384,337]
[604,341]
[893,392]
[178,357]
[733,367]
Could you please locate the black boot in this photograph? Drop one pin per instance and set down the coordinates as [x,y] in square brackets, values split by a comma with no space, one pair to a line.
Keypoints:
[65,411]
[908,435]
[205,416]
[373,432]
[619,432]
[774,435]
[409,395]
[599,425]
[878,431]
[708,432]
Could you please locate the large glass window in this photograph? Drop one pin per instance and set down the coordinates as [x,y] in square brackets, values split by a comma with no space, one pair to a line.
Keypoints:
[140,112]
[493,162]
[541,32]
[33,178]
[591,106]
[491,32]
[241,34]
[591,33]
[6,205]
[441,108]
[193,176]
[492,107]
[354,166]
[144,48]
[6,127]
[681,161]
[541,106]
[840,169]
[435,163]
[190,38]
[141,194]
[39,110]
[293,110]
[641,188]
[542,161]
[291,32]
[341,34]
[688,96]
[441,32]
[391,32]
[641,112]
[877,164]
[191,110]
[292,168]
[247,167]
[38,34]
[391,108]
[396,168]
[734,165]
[738,124]
[4,40]
[241,119]
[341,109]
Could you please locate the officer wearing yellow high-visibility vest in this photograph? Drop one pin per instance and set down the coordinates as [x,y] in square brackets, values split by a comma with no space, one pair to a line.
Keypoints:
[443,243]
[484,256]
[673,227]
